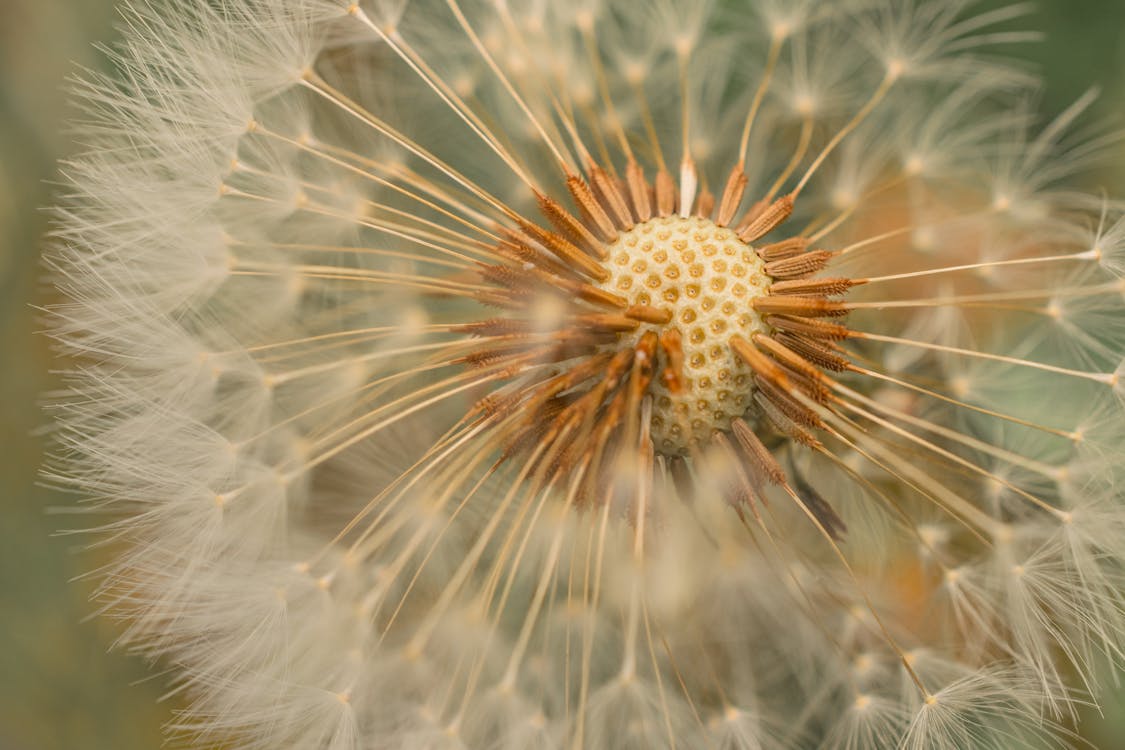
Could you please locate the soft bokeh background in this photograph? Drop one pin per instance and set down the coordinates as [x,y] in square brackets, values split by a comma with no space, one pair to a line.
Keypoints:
[61,688]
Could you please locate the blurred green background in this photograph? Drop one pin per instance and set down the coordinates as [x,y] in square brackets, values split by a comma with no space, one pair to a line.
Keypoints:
[61,688]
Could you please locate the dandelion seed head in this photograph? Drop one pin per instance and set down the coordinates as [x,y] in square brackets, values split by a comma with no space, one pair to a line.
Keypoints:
[600,375]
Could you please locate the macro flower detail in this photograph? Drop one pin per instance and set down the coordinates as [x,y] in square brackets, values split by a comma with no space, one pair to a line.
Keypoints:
[665,374]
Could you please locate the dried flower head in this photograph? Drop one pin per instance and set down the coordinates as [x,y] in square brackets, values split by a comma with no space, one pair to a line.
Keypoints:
[610,374]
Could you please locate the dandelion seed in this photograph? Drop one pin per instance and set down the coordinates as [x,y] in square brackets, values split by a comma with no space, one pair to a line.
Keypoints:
[504,375]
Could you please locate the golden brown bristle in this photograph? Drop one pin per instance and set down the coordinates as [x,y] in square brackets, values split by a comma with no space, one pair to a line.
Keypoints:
[592,212]
[611,200]
[672,345]
[565,251]
[732,196]
[665,193]
[764,466]
[781,397]
[799,266]
[705,203]
[819,352]
[819,329]
[803,307]
[638,191]
[649,314]
[569,226]
[814,287]
[785,424]
[769,219]
[787,357]
[783,249]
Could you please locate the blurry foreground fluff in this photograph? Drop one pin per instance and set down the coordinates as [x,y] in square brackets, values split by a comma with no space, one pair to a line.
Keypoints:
[521,374]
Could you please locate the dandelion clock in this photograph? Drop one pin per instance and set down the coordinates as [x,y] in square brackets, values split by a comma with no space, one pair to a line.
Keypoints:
[599,375]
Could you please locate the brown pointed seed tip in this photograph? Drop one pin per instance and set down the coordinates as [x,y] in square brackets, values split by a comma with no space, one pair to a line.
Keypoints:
[783,399]
[762,463]
[510,277]
[599,322]
[665,193]
[638,191]
[818,329]
[514,247]
[784,424]
[492,327]
[570,226]
[566,251]
[786,356]
[783,249]
[803,307]
[772,217]
[612,201]
[600,297]
[814,287]
[672,345]
[646,349]
[597,220]
[705,203]
[814,351]
[649,314]
[732,196]
[799,266]
[758,362]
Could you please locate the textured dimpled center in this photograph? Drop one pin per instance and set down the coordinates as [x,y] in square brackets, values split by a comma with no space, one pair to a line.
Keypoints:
[707,278]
